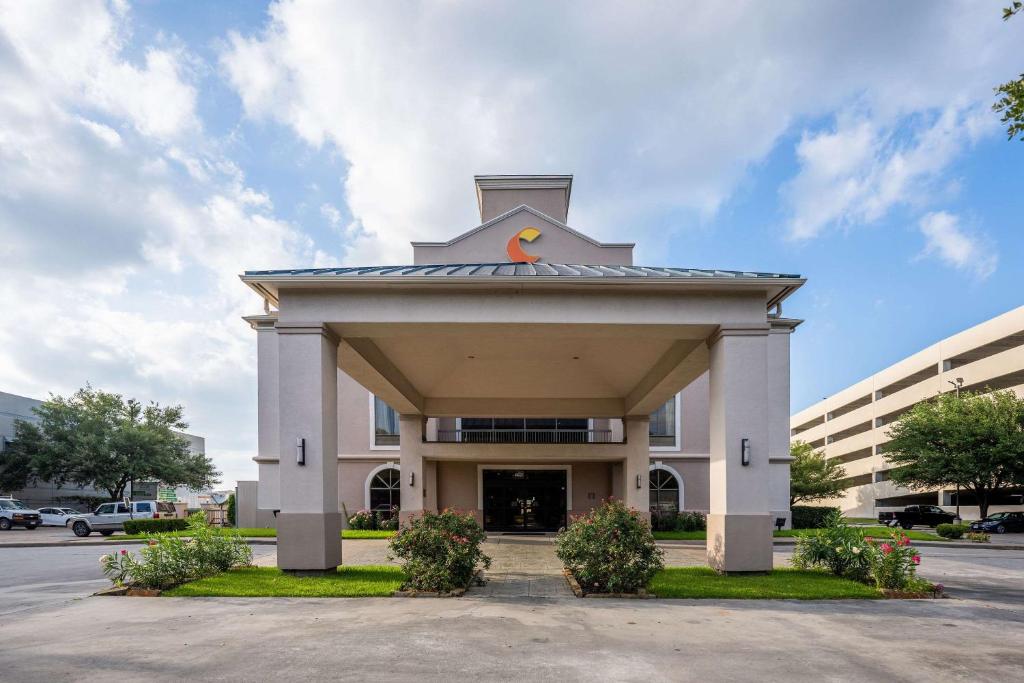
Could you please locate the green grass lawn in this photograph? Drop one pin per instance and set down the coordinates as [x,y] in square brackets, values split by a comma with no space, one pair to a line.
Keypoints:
[272,533]
[878,532]
[781,584]
[366,533]
[260,582]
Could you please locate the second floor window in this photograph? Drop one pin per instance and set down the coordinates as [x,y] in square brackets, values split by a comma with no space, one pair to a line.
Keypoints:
[663,425]
[385,424]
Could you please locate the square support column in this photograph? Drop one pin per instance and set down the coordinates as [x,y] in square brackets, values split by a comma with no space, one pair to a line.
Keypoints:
[636,468]
[309,524]
[778,419]
[739,524]
[410,439]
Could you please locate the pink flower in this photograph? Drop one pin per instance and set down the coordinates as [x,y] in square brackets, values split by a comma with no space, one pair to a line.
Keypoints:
[886,548]
[917,559]
[903,541]
[123,551]
[869,539]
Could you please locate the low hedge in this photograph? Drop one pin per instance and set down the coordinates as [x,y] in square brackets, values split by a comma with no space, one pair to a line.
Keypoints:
[811,517]
[154,526]
[951,530]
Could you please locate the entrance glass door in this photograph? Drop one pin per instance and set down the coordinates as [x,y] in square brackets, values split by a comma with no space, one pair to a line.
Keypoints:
[524,500]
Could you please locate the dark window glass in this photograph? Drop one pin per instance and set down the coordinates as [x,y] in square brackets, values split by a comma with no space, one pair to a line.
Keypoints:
[664,491]
[385,424]
[385,490]
[663,424]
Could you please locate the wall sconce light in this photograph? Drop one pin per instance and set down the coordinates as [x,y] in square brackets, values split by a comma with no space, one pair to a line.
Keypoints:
[639,481]
[745,452]
[300,451]
[412,479]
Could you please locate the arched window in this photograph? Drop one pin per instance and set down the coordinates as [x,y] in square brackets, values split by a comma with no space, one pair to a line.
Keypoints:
[385,489]
[665,490]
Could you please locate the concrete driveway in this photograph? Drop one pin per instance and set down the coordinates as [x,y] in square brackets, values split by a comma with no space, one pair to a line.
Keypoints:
[978,635]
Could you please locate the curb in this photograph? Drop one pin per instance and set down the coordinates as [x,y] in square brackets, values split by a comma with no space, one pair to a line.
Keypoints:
[256,540]
[788,541]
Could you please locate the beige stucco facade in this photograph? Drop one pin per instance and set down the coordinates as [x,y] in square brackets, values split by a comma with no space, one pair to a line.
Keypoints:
[522,385]
[852,425]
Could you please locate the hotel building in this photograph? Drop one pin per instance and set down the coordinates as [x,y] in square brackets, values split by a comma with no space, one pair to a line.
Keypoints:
[522,371]
[852,425]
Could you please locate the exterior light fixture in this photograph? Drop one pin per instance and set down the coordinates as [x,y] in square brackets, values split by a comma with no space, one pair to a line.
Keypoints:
[745,452]
[300,451]
[639,481]
[412,479]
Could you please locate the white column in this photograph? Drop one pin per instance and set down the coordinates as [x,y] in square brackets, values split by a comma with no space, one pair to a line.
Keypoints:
[739,524]
[268,495]
[309,524]
[636,468]
[410,440]
[778,419]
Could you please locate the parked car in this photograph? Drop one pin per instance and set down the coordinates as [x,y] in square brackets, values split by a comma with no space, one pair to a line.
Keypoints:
[14,513]
[917,515]
[110,517]
[57,516]
[1000,523]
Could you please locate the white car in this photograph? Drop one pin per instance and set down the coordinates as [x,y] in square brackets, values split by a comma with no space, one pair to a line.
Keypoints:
[57,516]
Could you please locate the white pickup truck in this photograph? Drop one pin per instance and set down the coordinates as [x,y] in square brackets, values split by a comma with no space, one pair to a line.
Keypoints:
[110,517]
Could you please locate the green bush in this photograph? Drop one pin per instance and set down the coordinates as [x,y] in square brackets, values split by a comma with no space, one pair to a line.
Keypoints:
[168,561]
[894,563]
[374,520]
[610,550]
[154,526]
[440,551]
[231,510]
[951,530]
[840,548]
[811,517]
[678,521]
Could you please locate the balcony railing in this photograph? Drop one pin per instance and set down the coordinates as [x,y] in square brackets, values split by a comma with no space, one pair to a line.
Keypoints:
[540,436]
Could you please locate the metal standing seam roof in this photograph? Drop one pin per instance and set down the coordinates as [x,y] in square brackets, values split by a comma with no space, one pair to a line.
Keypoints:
[518,270]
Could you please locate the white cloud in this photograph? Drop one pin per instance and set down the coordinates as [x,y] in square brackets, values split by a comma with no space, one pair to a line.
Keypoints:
[122,229]
[855,173]
[946,240]
[655,107]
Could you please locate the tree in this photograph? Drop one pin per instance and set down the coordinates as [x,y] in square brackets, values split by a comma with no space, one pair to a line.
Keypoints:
[231,510]
[812,476]
[974,441]
[1011,101]
[95,438]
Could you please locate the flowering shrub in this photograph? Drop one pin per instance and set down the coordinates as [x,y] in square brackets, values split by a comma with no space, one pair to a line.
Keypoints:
[373,520]
[440,551]
[840,548]
[894,563]
[167,561]
[978,536]
[116,566]
[364,519]
[678,521]
[610,550]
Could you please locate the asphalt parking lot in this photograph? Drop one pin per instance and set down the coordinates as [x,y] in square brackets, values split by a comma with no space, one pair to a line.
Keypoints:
[488,636]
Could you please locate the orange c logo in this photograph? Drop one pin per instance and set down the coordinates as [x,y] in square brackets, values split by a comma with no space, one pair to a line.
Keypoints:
[515,252]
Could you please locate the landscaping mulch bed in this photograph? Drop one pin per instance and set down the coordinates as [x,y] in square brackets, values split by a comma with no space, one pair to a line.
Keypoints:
[129,591]
[476,580]
[578,591]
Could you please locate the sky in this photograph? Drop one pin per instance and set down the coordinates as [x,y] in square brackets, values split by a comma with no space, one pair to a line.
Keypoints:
[152,151]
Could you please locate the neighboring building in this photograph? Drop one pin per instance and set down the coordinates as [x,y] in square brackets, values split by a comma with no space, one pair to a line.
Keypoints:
[852,424]
[46,494]
[495,376]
